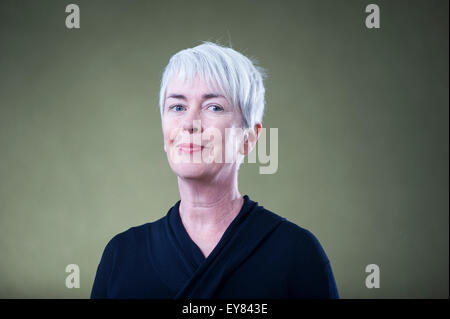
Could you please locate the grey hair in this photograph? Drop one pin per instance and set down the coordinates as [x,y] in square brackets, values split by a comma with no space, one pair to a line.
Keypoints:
[236,76]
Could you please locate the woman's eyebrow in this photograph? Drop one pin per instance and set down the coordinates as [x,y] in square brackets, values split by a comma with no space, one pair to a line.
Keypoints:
[204,96]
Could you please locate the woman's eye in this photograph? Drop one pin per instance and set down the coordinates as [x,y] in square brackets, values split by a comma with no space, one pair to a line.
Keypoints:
[216,108]
[177,108]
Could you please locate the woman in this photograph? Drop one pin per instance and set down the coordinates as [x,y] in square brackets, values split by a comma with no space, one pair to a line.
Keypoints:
[213,243]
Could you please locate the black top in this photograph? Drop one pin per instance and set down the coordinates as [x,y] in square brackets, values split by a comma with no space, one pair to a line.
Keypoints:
[260,256]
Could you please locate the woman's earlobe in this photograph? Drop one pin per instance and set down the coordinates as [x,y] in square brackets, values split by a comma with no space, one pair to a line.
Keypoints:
[254,134]
[258,129]
[243,145]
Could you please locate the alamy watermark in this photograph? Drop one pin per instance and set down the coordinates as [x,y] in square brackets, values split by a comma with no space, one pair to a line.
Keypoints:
[73,279]
[373,19]
[233,145]
[373,280]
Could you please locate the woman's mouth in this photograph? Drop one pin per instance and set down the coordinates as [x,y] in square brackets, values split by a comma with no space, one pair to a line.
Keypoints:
[190,148]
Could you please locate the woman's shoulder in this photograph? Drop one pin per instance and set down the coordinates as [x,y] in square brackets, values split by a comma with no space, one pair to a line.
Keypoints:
[297,233]
[136,235]
[298,239]
[289,228]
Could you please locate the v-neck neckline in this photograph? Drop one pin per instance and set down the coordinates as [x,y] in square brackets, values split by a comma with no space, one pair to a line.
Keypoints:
[190,246]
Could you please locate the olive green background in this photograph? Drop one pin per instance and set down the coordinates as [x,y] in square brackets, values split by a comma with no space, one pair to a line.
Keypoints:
[362,118]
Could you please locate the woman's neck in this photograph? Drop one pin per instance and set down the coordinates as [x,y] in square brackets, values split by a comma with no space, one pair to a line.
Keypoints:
[207,206]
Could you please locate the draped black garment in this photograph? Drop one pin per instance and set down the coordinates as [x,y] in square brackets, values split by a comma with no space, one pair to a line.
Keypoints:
[260,255]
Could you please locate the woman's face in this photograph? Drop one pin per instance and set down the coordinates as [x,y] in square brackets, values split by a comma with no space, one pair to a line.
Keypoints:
[196,126]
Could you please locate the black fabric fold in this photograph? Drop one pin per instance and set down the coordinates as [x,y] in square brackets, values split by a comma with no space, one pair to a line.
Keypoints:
[244,234]
[260,255]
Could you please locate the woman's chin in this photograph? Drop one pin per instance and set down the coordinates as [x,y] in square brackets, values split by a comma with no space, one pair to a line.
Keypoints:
[192,170]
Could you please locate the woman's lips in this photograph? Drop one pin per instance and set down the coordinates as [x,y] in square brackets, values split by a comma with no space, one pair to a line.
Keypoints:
[190,147]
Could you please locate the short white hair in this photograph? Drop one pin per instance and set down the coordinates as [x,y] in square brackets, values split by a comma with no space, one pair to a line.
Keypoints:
[238,77]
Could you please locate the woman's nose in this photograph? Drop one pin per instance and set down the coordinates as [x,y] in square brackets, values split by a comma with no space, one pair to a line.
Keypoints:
[192,123]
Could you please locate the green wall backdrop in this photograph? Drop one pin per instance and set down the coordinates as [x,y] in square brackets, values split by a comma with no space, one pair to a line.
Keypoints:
[362,118]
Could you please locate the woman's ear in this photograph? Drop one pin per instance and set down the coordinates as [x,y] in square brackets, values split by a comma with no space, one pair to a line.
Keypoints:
[251,136]
[258,128]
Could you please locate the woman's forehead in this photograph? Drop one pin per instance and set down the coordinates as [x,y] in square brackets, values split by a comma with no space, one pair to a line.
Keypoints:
[197,83]
[198,87]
